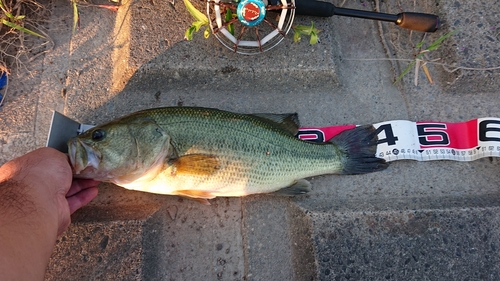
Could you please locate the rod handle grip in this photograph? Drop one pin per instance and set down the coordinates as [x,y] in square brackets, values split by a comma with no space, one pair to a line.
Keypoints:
[418,21]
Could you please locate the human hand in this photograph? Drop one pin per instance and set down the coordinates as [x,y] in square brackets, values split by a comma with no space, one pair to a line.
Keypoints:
[37,196]
[44,178]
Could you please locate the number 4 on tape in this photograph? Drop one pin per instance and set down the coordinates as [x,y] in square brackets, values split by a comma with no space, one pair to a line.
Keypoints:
[425,141]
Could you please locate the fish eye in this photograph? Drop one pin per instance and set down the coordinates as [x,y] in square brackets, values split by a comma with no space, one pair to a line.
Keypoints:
[98,135]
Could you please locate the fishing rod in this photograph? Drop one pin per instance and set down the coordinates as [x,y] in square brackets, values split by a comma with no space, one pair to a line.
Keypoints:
[260,32]
[413,21]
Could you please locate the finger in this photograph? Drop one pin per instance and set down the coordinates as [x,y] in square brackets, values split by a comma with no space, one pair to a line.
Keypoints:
[81,198]
[80,184]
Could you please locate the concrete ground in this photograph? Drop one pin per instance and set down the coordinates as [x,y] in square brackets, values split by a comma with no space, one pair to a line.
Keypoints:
[414,221]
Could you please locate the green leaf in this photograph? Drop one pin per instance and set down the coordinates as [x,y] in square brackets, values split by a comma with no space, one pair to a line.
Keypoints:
[193,28]
[201,20]
[189,33]
[199,16]
[314,38]
[431,47]
[20,28]
[436,43]
[306,30]
[296,36]
[407,69]
[303,29]
[75,15]
[197,25]
[9,15]
[229,16]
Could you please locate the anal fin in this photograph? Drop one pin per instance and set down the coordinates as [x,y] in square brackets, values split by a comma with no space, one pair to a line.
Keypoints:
[196,195]
[199,200]
[301,186]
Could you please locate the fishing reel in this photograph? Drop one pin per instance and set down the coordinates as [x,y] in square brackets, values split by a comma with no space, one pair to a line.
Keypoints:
[255,26]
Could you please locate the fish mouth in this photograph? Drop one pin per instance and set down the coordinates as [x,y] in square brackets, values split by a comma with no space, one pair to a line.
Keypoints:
[83,158]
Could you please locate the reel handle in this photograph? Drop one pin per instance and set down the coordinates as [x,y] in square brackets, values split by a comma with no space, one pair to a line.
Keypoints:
[413,21]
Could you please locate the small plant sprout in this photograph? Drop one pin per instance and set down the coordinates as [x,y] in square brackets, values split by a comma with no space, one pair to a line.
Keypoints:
[306,30]
[229,17]
[12,21]
[76,16]
[201,20]
[419,62]
[76,12]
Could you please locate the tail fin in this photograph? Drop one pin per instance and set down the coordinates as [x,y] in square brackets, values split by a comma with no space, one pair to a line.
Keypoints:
[358,148]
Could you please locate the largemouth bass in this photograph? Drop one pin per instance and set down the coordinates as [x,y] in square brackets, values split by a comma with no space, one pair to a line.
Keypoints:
[202,153]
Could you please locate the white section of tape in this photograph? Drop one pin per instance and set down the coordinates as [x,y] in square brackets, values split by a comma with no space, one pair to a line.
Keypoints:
[426,141]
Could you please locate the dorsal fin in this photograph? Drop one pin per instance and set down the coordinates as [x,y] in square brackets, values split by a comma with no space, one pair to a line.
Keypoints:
[287,121]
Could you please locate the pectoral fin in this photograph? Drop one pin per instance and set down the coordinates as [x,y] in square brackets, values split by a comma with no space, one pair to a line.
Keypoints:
[299,187]
[196,164]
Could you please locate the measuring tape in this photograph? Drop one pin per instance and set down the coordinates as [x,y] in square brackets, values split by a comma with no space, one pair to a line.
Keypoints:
[425,141]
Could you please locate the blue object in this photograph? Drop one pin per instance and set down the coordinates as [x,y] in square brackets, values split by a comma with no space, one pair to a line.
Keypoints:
[251,12]
[3,83]
[3,80]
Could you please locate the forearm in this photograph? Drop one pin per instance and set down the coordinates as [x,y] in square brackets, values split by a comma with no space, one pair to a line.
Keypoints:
[26,236]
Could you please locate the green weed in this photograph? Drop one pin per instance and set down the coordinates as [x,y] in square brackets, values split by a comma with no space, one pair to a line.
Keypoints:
[419,61]
[201,20]
[7,18]
[306,30]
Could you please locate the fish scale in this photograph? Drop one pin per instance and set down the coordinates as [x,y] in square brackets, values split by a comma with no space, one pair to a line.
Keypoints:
[218,153]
